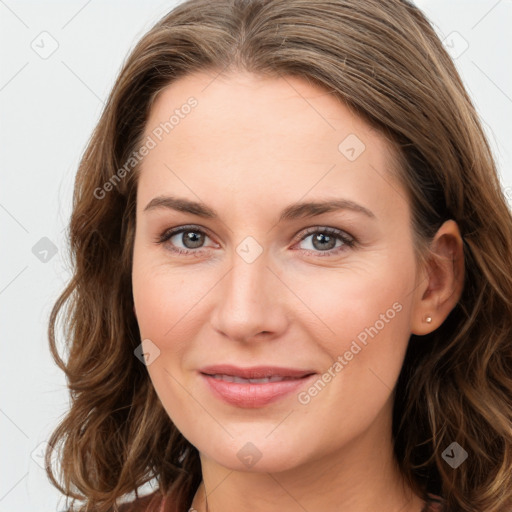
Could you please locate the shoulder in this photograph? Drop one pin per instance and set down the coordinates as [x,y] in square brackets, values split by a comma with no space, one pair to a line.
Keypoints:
[150,503]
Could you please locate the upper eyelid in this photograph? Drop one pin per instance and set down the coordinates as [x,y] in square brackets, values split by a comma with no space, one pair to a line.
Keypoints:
[167,233]
[327,229]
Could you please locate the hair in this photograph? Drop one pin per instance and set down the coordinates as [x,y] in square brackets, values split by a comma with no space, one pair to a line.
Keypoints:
[384,61]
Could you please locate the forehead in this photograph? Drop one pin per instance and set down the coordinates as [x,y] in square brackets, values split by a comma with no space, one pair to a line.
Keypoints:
[256,136]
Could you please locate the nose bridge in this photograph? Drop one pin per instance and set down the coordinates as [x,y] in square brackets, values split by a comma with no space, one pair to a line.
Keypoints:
[248,300]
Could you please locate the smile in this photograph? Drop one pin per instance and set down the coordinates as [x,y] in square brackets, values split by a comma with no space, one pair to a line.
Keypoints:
[253,387]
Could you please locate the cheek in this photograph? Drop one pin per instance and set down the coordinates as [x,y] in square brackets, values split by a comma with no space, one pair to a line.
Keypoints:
[361,303]
[159,293]
[153,302]
[163,305]
[169,302]
[365,332]
[365,318]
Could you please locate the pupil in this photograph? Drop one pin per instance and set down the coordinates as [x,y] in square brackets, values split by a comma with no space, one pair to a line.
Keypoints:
[323,237]
[193,238]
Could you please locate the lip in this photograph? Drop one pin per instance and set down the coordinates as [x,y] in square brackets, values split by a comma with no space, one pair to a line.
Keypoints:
[255,372]
[252,395]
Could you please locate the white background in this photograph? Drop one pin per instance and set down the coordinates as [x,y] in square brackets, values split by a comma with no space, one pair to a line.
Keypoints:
[48,109]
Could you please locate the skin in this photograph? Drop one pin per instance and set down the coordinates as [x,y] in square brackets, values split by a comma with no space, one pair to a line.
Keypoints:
[251,147]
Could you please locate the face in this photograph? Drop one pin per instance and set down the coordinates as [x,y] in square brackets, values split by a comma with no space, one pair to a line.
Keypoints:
[250,284]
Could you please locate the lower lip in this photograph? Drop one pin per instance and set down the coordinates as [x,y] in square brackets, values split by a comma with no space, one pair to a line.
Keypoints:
[254,395]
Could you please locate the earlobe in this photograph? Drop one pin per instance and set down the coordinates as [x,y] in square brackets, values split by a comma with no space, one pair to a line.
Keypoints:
[445,280]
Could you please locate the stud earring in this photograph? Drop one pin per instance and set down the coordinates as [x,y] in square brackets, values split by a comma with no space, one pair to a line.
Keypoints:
[428,319]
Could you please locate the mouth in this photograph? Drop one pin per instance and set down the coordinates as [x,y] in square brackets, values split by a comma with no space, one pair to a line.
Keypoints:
[254,374]
[254,386]
[241,380]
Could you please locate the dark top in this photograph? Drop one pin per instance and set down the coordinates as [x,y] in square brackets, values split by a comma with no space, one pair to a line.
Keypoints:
[434,503]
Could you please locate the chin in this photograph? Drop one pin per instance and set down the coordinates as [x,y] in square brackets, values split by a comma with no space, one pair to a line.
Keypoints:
[255,452]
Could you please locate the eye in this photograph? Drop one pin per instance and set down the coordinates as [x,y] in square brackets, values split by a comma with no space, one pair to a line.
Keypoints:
[190,237]
[325,240]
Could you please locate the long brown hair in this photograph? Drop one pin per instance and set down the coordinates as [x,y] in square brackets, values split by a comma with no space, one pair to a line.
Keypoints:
[385,62]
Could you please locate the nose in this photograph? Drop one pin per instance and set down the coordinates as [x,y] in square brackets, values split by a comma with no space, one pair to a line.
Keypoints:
[250,302]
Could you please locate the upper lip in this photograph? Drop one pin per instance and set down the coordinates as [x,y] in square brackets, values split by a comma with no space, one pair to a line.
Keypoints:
[255,372]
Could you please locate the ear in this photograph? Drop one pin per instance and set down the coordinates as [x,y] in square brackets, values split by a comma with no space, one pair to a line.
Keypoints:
[441,280]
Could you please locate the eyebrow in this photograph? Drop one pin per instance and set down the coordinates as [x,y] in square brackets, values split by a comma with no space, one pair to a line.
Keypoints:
[297,210]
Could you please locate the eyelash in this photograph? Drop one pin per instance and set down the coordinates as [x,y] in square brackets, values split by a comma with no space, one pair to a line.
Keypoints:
[348,240]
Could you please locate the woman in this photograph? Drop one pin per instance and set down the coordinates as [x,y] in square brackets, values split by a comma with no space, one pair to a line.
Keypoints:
[292,285]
